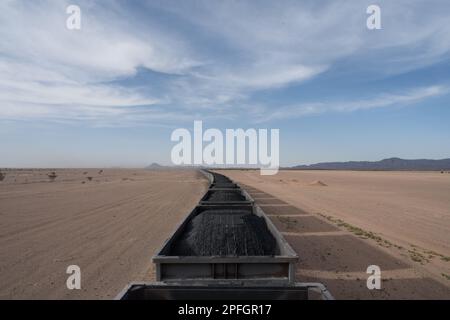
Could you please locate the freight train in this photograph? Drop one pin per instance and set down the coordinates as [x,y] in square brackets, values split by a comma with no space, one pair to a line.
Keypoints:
[226,248]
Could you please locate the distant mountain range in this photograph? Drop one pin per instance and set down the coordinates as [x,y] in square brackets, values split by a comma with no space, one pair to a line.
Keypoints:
[385,164]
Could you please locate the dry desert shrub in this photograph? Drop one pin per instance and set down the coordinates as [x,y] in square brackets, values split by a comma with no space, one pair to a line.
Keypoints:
[2,176]
[52,176]
[89,178]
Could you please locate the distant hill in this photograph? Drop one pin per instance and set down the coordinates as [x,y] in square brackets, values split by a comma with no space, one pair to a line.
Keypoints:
[385,164]
[154,166]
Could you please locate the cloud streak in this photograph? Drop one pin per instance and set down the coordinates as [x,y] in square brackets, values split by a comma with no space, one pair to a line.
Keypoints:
[381,101]
[213,56]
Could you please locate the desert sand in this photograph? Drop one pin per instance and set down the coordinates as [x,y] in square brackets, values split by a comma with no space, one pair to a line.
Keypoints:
[340,222]
[108,222]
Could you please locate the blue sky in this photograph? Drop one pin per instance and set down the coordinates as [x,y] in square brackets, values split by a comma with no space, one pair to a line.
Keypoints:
[111,93]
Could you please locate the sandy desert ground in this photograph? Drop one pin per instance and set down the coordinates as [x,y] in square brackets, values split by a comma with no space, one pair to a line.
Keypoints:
[340,222]
[108,222]
[111,222]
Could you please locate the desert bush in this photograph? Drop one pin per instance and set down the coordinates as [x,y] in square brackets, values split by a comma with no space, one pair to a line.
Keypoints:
[2,176]
[52,176]
[89,178]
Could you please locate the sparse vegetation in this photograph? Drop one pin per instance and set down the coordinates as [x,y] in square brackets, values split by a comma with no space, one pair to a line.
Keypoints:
[446,276]
[432,254]
[288,221]
[100,172]
[360,232]
[89,178]
[2,176]
[363,234]
[416,256]
[52,176]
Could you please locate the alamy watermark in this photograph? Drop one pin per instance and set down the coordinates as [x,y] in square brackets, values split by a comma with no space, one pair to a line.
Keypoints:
[73,22]
[374,20]
[73,282]
[374,280]
[239,148]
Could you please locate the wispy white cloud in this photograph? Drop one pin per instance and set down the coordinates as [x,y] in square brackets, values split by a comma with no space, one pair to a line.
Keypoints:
[380,101]
[229,51]
[107,46]
[50,72]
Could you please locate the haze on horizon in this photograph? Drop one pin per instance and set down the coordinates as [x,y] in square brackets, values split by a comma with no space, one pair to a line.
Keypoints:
[110,94]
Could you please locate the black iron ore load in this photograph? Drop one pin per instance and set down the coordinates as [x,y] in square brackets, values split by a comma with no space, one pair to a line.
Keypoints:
[225,195]
[226,232]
